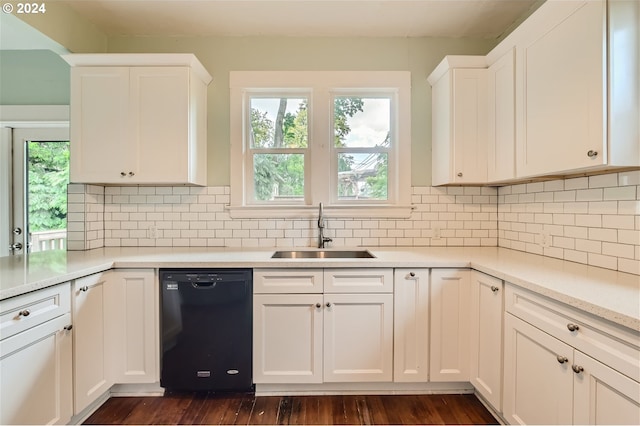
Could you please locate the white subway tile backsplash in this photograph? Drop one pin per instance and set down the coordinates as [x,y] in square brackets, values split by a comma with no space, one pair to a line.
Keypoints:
[598,224]
[590,220]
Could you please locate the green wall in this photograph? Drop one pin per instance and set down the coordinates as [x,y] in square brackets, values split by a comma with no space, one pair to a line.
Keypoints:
[223,54]
[33,77]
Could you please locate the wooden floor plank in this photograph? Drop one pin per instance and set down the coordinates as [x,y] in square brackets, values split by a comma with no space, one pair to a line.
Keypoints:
[246,408]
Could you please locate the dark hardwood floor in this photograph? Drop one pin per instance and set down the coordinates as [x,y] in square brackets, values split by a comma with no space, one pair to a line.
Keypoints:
[209,408]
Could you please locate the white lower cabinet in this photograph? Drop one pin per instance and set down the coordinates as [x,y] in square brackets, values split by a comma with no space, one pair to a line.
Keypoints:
[450,303]
[323,337]
[487,308]
[603,396]
[358,338]
[136,327]
[92,302]
[552,374]
[287,338]
[115,332]
[36,364]
[538,387]
[411,325]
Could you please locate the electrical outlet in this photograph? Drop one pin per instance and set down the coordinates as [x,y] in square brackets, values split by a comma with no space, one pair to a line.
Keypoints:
[545,239]
[436,233]
[152,232]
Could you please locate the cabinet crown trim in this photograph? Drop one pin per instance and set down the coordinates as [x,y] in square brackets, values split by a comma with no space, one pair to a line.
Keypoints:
[139,60]
[456,61]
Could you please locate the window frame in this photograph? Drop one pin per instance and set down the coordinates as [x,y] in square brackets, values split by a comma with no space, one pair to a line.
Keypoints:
[320,88]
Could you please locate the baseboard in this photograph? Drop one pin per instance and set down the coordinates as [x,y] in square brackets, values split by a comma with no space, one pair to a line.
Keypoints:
[490,408]
[90,409]
[137,389]
[363,389]
[141,389]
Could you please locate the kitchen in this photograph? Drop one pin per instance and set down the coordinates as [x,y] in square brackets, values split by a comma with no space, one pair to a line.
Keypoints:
[514,216]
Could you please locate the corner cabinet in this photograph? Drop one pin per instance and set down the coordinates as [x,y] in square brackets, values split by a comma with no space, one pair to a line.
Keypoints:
[577,87]
[563,366]
[459,123]
[138,119]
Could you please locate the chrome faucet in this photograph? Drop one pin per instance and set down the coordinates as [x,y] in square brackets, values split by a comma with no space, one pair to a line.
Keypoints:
[321,238]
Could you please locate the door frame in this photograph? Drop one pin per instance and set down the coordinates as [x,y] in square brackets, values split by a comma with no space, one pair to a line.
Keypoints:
[12,117]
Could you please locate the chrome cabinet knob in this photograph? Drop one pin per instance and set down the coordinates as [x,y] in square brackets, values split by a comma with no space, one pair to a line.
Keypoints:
[459,174]
[68,327]
[573,327]
[131,174]
[412,274]
[24,313]
[84,288]
[123,174]
[328,304]
[318,305]
[562,359]
[494,289]
[577,369]
[592,154]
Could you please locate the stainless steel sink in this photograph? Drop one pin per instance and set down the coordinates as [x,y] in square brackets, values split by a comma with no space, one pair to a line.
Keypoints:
[322,254]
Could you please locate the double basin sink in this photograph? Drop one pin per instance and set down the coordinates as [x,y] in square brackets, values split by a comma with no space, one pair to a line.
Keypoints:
[322,254]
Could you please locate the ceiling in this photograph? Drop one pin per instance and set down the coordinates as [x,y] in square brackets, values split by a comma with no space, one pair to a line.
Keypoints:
[309,18]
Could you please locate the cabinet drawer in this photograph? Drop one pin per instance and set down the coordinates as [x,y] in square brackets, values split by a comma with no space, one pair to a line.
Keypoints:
[287,281]
[617,347]
[28,310]
[358,280]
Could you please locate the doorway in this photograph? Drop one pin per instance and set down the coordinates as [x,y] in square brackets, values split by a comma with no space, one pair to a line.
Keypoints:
[38,191]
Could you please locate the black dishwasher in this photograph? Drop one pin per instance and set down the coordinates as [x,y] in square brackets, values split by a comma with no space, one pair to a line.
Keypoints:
[206,329]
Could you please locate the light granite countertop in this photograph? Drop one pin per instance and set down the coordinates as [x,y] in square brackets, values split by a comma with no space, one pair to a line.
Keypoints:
[611,295]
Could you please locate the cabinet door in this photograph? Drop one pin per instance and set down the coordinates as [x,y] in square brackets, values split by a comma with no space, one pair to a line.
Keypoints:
[602,396]
[160,124]
[469,150]
[538,384]
[134,348]
[450,302]
[501,139]
[100,141]
[486,337]
[287,338]
[92,372]
[358,338]
[35,375]
[560,89]
[411,325]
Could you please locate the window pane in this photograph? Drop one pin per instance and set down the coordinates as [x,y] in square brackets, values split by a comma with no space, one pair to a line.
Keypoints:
[362,176]
[361,122]
[278,123]
[278,177]
[47,179]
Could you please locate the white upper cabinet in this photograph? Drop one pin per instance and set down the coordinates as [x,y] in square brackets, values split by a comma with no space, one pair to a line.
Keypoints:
[138,119]
[459,125]
[501,138]
[577,102]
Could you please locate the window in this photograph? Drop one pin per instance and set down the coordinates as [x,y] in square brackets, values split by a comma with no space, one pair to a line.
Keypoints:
[301,138]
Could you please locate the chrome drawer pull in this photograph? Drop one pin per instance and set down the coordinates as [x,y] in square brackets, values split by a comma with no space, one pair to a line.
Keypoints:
[577,369]
[562,359]
[24,313]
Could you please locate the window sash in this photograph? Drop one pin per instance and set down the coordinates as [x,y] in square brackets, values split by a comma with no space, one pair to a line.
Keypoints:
[320,88]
